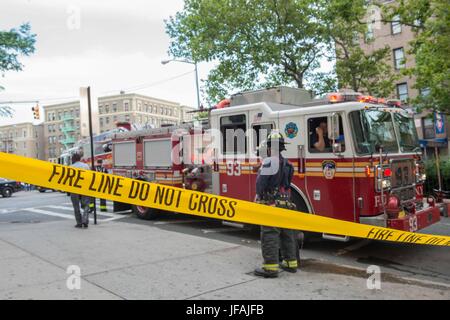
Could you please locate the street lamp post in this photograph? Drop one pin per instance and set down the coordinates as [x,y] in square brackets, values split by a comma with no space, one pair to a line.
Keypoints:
[196,75]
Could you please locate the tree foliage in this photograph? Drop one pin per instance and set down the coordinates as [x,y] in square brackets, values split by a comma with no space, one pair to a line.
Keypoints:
[355,69]
[430,19]
[256,43]
[262,43]
[14,43]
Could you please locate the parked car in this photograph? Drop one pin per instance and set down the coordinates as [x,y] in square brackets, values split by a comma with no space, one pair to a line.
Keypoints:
[43,189]
[8,187]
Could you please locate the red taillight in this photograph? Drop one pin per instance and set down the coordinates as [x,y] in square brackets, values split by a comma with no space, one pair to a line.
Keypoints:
[387,172]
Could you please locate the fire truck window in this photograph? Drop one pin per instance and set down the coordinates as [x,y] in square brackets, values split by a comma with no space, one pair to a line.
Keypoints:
[233,129]
[260,133]
[318,135]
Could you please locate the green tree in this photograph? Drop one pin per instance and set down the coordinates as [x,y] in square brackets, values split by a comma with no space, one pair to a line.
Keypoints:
[13,43]
[256,43]
[430,19]
[366,72]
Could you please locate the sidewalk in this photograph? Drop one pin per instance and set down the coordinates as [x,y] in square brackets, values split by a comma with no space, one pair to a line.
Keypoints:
[128,261]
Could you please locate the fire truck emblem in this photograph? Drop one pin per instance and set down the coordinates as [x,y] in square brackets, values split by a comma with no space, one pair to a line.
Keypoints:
[329,169]
[291,130]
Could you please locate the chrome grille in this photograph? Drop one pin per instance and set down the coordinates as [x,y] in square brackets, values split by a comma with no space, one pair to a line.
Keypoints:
[402,173]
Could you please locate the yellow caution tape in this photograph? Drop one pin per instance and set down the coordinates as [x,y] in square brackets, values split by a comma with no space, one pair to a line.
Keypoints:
[126,190]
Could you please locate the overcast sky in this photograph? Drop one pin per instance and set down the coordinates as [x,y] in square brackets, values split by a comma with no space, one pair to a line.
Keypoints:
[114,45]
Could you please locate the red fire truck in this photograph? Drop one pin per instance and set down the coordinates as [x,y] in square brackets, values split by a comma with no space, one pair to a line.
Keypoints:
[370,171]
[102,147]
[162,155]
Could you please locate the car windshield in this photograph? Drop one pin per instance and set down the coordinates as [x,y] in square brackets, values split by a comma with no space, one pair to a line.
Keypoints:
[373,129]
[409,141]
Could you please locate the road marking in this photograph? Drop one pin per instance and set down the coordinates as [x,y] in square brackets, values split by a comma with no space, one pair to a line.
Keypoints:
[115,218]
[177,222]
[106,214]
[217,230]
[49,213]
[446,224]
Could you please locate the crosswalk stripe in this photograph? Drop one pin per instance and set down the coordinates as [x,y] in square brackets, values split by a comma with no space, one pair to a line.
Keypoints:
[115,218]
[217,230]
[49,213]
[178,222]
[106,214]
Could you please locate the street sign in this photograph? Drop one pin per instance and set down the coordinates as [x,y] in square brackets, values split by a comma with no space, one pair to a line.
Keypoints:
[439,121]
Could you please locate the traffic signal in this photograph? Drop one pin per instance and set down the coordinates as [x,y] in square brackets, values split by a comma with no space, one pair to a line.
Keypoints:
[36,112]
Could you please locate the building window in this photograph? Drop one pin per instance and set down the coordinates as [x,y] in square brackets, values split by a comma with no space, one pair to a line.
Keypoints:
[106,108]
[126,106]
[396,26]
[425,92]
[115,118]
[100,109]
[399,58]
[101,122]
[402,91]
[127,118]
[107,120]
[428,128]
[114,107]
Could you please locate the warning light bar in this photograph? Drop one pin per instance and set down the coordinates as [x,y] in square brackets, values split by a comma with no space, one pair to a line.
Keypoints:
[336,97]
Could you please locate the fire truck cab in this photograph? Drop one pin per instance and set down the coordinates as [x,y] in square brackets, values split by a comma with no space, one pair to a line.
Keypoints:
[368,169]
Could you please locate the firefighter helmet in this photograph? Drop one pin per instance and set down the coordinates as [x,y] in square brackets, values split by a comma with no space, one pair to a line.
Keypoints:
[276,138]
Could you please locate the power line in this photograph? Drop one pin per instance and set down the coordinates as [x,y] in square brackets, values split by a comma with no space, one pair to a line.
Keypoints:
[133,88]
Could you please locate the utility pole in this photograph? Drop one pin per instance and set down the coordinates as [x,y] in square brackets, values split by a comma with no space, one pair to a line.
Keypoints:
[91,136]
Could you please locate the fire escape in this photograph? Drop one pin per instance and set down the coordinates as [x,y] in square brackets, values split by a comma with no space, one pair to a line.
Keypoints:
[68,129]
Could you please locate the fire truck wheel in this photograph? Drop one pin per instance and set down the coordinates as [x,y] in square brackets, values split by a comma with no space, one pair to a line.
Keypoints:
[303,236]
[145,213]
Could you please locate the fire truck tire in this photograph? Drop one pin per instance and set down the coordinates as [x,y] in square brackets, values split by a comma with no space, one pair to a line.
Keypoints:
[303,236]
[145,213]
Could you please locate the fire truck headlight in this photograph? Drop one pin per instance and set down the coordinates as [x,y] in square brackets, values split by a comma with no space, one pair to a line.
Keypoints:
[386,184]
[423,176]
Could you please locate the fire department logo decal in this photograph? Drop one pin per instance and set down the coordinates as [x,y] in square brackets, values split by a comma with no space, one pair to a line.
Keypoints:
[329,169]
[291,130]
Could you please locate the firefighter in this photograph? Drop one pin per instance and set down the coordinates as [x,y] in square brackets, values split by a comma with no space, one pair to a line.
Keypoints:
[273,189]
[99,168]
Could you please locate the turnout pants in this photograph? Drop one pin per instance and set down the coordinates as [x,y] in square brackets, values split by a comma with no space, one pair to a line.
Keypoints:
[84,201]
[272,241]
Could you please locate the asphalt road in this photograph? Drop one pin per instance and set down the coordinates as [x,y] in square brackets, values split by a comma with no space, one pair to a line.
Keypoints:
[425,263]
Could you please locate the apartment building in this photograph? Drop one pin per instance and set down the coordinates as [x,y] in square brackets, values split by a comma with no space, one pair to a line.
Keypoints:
[62,121]
[23,139]
[397,37]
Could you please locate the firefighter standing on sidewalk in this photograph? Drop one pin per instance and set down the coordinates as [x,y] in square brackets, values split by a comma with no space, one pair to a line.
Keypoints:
[273,189]
[99,168]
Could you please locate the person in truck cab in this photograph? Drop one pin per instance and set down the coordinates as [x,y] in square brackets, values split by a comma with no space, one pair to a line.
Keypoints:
[319,138]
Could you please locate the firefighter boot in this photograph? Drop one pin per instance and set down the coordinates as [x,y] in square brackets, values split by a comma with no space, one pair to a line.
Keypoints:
[103,207]
[267,271]
[289,265]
